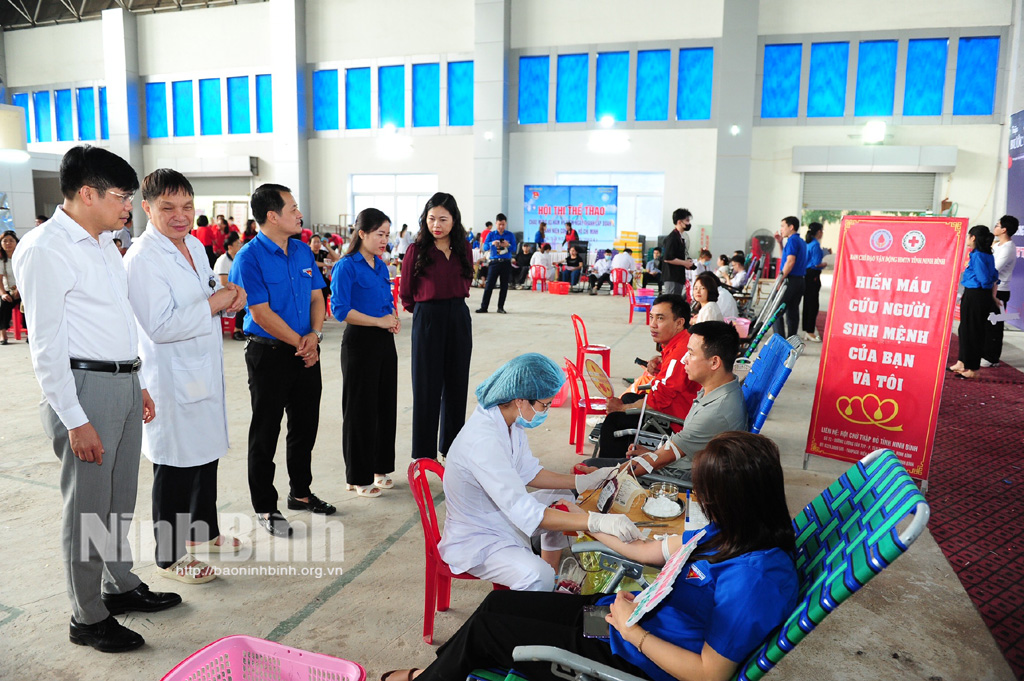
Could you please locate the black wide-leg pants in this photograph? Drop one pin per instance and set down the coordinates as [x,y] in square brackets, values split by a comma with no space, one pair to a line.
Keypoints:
[184,507]
[442,345]
[369,402]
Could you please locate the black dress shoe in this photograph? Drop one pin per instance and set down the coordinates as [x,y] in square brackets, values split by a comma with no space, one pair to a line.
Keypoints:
[238,336]
[108,636]
[314,505]
[275,524]
[140,599]
[482,310]
[501,310]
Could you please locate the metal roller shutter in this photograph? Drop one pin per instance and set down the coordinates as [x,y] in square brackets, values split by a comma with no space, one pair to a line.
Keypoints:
[869,191]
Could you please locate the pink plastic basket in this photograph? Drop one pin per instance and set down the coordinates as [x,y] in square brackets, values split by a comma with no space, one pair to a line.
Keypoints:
[246,658]
[742,325]
[646,292]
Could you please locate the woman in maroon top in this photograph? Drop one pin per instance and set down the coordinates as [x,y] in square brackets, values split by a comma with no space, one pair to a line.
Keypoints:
[434,287]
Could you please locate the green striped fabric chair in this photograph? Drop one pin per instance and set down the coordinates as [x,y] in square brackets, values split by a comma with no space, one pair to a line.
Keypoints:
[844,537]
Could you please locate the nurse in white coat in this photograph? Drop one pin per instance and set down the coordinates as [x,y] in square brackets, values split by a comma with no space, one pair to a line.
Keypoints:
[178,302]
[490,515]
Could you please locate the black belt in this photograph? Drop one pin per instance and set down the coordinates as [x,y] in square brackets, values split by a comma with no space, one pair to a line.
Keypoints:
[263,340]
[107,367]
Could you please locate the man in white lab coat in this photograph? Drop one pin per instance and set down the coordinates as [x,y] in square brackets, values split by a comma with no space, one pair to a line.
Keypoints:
[178,303]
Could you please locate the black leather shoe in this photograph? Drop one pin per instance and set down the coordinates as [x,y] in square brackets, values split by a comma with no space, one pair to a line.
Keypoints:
[482,310]
[275,524]
[501,310]
[314,505]
[140,599]
[108,636]
[238,336]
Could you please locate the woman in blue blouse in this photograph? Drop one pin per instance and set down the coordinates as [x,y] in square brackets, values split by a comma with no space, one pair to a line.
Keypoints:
[361,297]
[739,584]
[979,279]
[812,281]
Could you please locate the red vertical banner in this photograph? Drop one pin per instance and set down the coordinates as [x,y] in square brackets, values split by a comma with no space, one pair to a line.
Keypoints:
[887,338]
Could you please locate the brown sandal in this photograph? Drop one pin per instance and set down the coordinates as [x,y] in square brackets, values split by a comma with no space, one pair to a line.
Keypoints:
[387,676]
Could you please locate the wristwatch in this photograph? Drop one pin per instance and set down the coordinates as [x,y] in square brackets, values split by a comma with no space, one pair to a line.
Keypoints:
[319,336]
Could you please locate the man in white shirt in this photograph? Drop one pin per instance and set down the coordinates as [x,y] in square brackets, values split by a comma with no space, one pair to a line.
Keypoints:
[600,271]
[85,355]
[624,261]
[1005,252]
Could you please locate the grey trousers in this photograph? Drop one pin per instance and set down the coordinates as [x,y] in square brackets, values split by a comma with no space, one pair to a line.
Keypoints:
[99,500]
[676,287]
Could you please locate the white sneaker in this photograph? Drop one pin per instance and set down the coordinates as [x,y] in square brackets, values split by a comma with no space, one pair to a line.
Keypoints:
[987,364]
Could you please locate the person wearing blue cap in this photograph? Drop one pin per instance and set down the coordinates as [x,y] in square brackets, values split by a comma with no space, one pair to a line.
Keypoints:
[490,515]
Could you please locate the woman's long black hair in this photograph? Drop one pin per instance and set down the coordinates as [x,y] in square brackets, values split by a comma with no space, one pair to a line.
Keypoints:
[456,238]
[368,220]
[982,239]
[739,485]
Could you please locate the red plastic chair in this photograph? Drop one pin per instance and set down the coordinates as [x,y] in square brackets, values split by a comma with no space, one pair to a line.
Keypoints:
[395,292]
[438,593]
[582,405]
[538,277]
[634,306]
[18,323]
[584,348]
[619,278]
[227,325]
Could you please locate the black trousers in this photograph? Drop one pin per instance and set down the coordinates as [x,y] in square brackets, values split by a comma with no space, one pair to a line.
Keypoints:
[507,619]
[519,275]
[442,345]
[652,279]
[993,349]
[616,447]
[597,281]
[280,384]
[7,311]
[788,322]
[812,287]
[975,305]
[369,402]
[497,269]
[184,507]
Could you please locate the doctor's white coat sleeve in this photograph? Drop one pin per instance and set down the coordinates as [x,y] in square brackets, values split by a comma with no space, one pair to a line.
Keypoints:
[506,488]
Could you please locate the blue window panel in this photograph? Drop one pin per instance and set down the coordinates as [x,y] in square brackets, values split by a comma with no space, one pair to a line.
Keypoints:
[209,107]
[65,117]
[426,95]
[357,98]
[325,99]
[183,107]
[264,103]
[21,99]
[693,93]
[86,100]
[612,85]
[41,100]
[976,63]
[104,123]
[571,88]
[391,95]
[826,86]
[156,110]
[652,70]
[238,106]
[460,93]
[876,78]
[780,85]
[534,74]
[926,76]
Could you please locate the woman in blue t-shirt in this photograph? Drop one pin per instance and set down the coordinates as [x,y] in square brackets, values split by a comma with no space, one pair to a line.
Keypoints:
[739,584]
[361,297]
[979,280]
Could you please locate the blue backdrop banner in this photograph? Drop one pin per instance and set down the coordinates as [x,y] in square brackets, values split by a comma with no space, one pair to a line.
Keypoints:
[592,210]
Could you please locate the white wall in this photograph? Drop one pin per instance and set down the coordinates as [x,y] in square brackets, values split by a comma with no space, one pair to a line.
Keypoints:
[332,161]
[67,53]
[356,29]
[544,23]
[687,157]
[217,38]
[780,17]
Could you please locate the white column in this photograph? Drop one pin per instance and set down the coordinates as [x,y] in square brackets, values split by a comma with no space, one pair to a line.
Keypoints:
[490,113]
[121,72]
[288,56]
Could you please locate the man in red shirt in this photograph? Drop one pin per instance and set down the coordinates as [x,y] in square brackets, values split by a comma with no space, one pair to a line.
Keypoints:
[205,232]
[672,392]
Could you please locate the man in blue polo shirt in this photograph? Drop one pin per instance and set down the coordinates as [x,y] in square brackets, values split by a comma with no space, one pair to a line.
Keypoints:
[793,269]
[500,245]
[282,355]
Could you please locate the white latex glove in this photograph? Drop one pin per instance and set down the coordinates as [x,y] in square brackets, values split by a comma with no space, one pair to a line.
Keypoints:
[594,479]
[615,524]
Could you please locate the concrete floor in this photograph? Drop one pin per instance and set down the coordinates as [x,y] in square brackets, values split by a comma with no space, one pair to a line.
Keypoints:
[914,621]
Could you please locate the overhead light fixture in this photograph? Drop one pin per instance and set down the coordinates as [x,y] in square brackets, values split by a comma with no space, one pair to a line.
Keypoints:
[874,132]
[734,130]
[13,147]
[607,121]
[608,141]
[488,135]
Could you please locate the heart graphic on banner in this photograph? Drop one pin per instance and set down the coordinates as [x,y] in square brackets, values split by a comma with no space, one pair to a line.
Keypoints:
[869,410]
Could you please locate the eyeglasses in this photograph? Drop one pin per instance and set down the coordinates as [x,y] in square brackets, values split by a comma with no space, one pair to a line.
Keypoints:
[125,198]
[546,405]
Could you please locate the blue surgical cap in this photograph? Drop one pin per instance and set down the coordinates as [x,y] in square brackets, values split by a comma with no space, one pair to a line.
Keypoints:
[528,377]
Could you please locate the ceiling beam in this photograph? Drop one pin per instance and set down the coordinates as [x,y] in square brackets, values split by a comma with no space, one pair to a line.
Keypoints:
[71,8]
[19,6]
